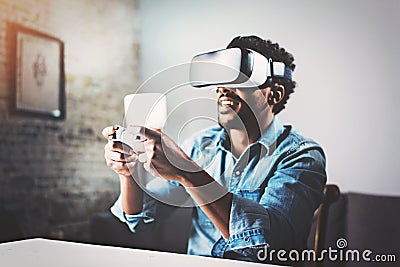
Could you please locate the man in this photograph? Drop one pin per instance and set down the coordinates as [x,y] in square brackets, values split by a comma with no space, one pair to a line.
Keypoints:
[256,182]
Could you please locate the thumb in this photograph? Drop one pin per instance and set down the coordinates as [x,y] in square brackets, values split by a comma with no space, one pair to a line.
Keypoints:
[144,132]
[108,131]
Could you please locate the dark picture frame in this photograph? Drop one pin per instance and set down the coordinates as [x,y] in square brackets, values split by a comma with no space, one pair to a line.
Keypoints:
[37,76]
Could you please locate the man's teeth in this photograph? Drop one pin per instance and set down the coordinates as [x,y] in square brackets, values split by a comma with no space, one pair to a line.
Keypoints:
[226,102]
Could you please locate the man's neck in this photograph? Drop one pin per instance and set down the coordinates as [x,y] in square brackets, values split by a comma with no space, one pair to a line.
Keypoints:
[240,139]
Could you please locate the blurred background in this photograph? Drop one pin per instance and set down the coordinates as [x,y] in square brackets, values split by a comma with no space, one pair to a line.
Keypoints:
[52,173]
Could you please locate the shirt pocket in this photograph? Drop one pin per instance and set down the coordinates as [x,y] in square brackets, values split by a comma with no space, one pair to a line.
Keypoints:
[252,194]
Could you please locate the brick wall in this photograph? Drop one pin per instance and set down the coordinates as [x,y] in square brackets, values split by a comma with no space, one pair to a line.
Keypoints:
[52,173]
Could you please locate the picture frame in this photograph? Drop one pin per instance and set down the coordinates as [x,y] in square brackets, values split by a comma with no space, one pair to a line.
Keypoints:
[37,74]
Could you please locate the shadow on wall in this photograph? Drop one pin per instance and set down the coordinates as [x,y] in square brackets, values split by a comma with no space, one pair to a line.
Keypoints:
[52,173]
[10,229]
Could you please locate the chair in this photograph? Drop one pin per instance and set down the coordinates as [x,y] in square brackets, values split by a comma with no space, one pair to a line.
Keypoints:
[332,194]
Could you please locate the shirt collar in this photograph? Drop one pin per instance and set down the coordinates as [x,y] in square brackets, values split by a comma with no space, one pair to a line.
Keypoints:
[267,139]
[271,135]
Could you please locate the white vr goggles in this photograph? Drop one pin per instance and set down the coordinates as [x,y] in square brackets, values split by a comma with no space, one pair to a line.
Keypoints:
[235,67]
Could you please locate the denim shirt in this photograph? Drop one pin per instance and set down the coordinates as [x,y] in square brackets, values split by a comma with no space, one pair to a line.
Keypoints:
[277,183]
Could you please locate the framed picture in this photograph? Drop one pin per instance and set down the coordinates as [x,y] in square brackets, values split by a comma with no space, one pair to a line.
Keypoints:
[37,73]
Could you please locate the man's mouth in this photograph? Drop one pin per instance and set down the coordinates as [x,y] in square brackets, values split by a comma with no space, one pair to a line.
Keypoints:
[226,104]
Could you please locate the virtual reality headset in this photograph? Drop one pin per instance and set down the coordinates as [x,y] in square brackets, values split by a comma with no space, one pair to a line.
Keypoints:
[235,67]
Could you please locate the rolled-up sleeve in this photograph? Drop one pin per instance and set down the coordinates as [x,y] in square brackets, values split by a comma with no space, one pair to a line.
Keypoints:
[280,215]
[139,220]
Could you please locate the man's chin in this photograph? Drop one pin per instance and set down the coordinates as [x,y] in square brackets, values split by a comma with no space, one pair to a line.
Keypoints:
[228,109]
[230,122]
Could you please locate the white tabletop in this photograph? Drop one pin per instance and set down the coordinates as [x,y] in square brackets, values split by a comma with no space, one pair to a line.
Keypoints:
[42,253]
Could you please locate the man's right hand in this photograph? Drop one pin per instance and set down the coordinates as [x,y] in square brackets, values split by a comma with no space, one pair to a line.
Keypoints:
[119,157]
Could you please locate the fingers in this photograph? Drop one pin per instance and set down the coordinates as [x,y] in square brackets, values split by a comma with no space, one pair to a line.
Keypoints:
[117,153]
[119,147]
[149,147]
[108,131]
[122,168]
[120,157]
[138,147]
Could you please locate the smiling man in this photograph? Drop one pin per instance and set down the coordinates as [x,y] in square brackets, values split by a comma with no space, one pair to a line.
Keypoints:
[254,181]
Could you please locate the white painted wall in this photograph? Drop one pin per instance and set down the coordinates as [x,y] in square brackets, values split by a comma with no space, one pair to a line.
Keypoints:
[347,56]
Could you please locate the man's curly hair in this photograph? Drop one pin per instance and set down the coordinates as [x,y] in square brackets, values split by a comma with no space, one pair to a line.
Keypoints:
[276,53]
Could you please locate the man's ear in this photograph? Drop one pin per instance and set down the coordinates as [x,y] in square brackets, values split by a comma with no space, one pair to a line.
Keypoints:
[276,94]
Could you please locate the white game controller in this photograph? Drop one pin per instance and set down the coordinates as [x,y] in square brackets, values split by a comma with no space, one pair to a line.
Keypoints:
[136,142]
[143,109]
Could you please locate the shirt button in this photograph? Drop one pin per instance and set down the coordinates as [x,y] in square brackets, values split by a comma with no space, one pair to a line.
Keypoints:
[246,239]
[237,173]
